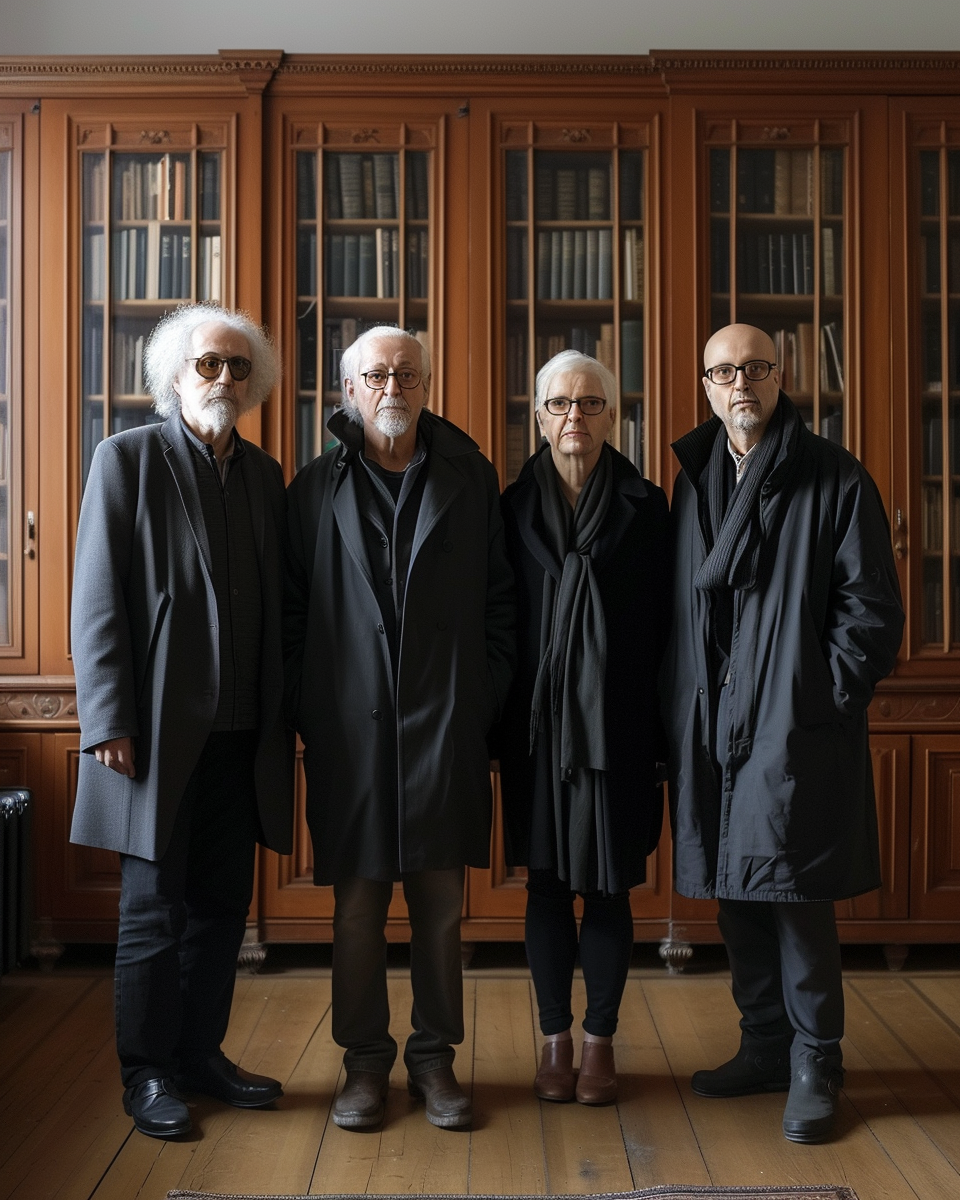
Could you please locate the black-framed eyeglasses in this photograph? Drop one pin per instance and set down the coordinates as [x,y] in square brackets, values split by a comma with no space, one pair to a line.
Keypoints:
[210,366]
[406,377]
[590,406]
[754,370]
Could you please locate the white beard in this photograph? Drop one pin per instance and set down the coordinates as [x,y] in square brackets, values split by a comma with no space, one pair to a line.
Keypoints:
[221,415]
[393,422]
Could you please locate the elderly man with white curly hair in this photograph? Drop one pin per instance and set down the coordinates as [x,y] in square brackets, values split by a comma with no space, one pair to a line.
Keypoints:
[186,762]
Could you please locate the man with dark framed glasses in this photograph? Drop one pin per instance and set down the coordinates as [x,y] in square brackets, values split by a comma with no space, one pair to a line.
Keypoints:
[187,762]
[401,646]
[786,615]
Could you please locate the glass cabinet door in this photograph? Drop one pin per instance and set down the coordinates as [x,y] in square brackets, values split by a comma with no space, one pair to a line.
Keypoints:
[777,253]
[9,372]
[364,254]
[936,374]
[576,245]
[152,236]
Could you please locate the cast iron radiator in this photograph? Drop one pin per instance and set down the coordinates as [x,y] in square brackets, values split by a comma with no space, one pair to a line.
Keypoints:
[15,885]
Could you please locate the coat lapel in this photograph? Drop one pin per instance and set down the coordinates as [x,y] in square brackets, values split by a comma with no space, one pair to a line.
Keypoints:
[346,512]
[444,483]
[181,466]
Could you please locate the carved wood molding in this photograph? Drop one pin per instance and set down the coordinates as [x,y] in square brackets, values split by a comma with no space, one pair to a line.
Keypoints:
[669,60]
[38,702]
[479,65]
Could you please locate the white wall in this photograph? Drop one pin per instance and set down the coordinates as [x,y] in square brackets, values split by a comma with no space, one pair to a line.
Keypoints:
[33,27]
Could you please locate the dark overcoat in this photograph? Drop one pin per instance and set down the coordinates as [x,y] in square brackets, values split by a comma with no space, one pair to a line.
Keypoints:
[629,559]
[145,644]
[397,765]
[792,816]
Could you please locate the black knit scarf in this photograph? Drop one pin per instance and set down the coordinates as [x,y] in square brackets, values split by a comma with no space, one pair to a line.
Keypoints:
[735,555]
[568,694]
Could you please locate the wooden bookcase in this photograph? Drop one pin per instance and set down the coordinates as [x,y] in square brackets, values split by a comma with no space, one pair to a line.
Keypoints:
[502,209]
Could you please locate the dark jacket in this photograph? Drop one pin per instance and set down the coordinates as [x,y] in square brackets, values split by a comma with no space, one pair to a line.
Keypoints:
[398,778]
[630,564]
[145,647]
[792,815]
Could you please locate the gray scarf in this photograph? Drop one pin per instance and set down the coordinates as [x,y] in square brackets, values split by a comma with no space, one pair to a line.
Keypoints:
[568,695]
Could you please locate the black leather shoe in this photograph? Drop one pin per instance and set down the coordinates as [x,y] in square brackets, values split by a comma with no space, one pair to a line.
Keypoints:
[447,1106]
[361,1103]
[756,1067]
[812,1103]
[157,1108]
[218,1077]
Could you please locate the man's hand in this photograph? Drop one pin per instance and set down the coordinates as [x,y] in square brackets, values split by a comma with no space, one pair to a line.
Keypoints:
[117,754]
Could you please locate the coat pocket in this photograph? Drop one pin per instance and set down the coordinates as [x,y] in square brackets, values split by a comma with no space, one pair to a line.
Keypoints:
[160,612]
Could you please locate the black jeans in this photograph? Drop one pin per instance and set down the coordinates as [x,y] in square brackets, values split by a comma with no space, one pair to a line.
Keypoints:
[785,967]
[182,919]
[605,946]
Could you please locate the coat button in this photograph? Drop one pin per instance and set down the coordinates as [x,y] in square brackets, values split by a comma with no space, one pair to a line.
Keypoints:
[377,714]
[380,629]
[383,542]
[389,581]
[699,691]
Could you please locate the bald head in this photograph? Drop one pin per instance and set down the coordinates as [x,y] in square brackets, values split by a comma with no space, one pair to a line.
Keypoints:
[737,344]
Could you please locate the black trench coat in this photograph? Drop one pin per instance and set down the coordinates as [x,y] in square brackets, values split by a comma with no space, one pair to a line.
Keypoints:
[631,569]
[793,815]
[398,779]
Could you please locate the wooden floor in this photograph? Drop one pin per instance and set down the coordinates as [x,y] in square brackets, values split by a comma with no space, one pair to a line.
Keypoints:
[63,1132]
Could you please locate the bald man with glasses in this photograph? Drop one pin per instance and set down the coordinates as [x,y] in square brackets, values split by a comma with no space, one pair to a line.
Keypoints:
[786,615]
[186,761]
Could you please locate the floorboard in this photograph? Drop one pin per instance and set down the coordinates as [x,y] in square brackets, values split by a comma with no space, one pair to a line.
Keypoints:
[64,1135]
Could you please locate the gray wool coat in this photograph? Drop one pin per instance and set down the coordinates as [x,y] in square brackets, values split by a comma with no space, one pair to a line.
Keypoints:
[397,764]
[145,646]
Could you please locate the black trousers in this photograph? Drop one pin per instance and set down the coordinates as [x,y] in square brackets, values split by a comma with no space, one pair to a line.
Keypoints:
[605,945]
[785,964]
[361,1007]
[182,919]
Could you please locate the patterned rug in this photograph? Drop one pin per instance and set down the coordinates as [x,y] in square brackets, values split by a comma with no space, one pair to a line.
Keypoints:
[670,1192]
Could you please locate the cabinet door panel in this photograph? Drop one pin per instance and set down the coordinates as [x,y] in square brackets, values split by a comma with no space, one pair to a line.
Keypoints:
[935,842]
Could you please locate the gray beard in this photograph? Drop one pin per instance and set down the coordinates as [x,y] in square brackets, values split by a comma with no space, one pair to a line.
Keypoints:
[393,423]
[221,415]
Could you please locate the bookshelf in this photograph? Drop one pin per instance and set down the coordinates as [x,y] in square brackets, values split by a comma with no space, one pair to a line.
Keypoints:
[777,239]
[575,205]
[152,238]
[937,300]
[363,258]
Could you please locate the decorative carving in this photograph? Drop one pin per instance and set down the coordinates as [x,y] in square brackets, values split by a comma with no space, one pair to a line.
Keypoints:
[775,133]
[19,708]
[675,954]
[252,956]
[366,135]
[575,135]
[154,137]
[918,708]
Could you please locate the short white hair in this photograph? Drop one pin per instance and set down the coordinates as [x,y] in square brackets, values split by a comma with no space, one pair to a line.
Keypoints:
[350,362]
[172,340]
[573,360]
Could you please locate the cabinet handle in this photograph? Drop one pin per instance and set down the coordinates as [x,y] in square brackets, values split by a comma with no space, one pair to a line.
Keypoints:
[31,547]
[900,540]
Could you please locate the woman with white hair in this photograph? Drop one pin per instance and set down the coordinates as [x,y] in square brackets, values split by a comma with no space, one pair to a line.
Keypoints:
[581,737]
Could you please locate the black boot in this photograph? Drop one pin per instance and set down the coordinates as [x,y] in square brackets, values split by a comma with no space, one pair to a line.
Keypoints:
[812,1103]
[756,1067]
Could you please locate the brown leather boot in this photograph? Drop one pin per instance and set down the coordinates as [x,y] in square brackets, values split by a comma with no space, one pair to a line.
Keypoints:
[597,1081]
[556,1079]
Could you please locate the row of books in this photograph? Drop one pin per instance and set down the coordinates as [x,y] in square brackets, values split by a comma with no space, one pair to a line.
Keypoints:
[933,352]
[152,188]
[930,274]
[930,184]
[128,363]
[572,193]
[575,264]
[364,186]
[932,521]
[368,264]
[633,269]
[150,262]
[800,365]
[776,264]
[597,340]
[932,441]
[777,181]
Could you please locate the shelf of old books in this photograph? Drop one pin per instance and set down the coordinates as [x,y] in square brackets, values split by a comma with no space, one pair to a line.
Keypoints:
[363,258]
[574,274]
[938,288]
[777,261]
[152,239]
